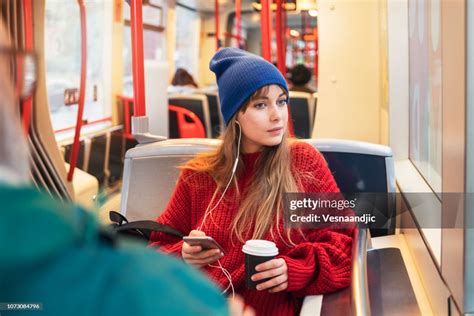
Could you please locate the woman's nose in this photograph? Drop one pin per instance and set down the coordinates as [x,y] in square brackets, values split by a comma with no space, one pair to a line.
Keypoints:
[275,113]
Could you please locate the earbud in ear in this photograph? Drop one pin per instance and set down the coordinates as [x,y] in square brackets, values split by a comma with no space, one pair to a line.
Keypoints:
[237,122]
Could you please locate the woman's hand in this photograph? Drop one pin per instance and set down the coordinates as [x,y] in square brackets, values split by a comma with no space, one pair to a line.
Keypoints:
[195,256]
[276,271]
[238,307]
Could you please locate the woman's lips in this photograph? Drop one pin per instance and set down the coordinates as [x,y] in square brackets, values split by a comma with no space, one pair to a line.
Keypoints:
[275,131]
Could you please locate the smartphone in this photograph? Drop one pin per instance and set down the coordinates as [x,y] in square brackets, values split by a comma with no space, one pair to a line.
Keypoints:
[205,242]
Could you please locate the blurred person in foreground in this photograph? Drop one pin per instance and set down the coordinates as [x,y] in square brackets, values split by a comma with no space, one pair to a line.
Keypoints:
[55,254]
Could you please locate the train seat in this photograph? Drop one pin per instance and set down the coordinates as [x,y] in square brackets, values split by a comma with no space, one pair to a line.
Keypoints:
[150,172]
[86,187]
[301,113]
[153,166]
[99,157]
[97,152]
[184,123]
[196,103]
[82,156]
[363,167]
[217,122]
[149,169]
[313,109]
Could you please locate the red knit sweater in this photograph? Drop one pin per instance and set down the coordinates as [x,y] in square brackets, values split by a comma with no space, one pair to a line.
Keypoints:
[317,265]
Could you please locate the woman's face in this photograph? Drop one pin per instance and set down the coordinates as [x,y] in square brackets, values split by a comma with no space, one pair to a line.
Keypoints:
[264,121]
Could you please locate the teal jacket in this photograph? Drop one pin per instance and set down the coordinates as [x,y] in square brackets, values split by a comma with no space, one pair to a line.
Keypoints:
[51,253]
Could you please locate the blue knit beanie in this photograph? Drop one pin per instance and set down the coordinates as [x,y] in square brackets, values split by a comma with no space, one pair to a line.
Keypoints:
[240,74]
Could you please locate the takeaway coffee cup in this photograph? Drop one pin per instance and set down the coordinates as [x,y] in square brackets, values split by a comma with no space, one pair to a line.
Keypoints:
[256,252]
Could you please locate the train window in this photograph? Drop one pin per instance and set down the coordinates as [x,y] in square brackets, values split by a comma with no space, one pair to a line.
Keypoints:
[188,28]
[63,61]
[425,109]
[154,41]
[154,48]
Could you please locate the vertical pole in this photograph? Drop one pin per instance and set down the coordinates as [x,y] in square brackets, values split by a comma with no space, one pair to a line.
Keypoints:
[316,57]
[82,91]
[303,31]
[265,20]
[216,25]
[238,23]
[28,25]
[286,30]
[137,57]
[280,41]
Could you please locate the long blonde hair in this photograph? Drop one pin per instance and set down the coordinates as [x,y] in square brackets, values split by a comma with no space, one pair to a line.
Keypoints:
[272,178]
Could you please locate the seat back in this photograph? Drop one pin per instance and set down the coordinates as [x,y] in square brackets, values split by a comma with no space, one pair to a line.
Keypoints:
[150,171]
[215,114]
[301,113]
[196,103]
[313,110]
[363,167]
[150,174]
[184,124]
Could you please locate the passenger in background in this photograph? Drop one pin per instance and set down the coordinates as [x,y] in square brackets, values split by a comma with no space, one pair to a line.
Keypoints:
[300,76]
[235,194]
[182,82]
[55,254]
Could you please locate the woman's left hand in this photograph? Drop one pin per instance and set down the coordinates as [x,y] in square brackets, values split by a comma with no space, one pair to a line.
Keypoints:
[276,271]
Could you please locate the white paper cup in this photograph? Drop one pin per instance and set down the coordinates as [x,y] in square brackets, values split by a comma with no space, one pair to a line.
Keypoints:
[256,252]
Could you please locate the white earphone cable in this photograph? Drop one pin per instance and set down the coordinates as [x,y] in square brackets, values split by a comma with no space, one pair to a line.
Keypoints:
[234,169]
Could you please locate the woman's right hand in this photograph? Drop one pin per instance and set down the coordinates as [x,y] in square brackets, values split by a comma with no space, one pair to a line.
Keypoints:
[197,257]
[238,307]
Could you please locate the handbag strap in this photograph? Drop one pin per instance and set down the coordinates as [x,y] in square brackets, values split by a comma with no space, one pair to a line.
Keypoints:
[147,227]
[116,217]
[144,228]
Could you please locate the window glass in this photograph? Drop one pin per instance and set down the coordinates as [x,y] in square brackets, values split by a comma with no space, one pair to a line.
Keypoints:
[424,24]
[154,45]
[187,40]
[63,61]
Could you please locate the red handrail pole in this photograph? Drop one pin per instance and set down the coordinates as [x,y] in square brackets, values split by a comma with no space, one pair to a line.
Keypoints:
[265,20]
[270,27]
[82,93]
[216,21]
[285,40]
[28,25]
[303,31]
[238,22]
[126,103]
[316,57]
[137,57]
[281,63]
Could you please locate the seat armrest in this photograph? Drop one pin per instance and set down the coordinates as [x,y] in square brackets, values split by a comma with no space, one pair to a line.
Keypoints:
[359,282]
[359,289]
[311,305]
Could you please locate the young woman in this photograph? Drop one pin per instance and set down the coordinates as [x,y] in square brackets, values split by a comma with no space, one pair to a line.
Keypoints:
[235,194]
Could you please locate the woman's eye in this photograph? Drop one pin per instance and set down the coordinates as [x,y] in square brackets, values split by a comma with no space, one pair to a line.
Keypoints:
[282,102]
[259,105]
